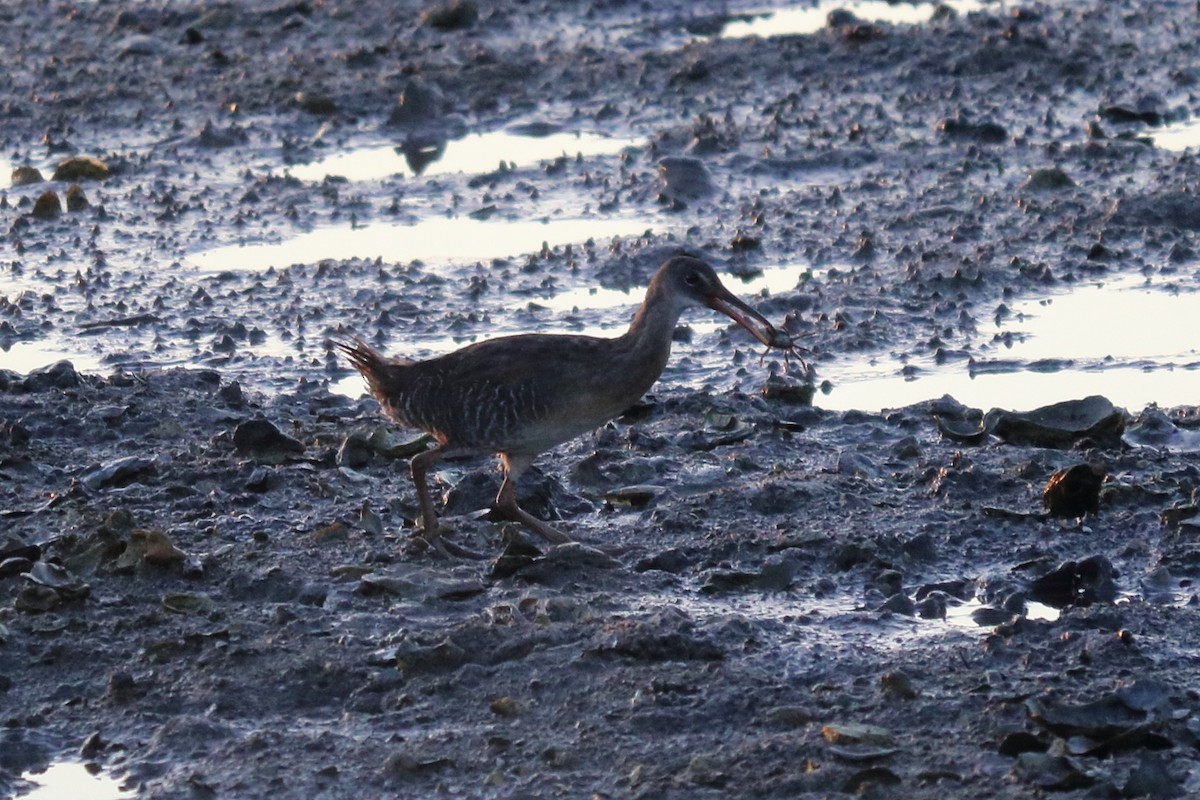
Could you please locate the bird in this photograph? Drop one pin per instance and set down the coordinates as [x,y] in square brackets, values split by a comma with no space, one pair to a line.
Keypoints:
[520,395]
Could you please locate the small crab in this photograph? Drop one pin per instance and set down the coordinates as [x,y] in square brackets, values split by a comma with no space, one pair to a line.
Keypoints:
[776,339]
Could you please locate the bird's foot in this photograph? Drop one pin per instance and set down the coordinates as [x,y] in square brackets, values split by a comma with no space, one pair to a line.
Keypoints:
[434,540]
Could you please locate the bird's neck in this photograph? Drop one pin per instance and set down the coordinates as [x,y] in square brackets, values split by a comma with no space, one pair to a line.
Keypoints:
[648,340]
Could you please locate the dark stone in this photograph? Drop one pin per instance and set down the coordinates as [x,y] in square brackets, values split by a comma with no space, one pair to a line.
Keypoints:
[260,437]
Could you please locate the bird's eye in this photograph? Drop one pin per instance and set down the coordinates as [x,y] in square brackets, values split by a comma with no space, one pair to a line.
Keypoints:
[692,279]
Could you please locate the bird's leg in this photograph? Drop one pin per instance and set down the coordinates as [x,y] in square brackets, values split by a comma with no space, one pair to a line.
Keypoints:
[506,500]
[418,470]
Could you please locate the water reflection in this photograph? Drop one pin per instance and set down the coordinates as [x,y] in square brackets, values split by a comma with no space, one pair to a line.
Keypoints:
[1177,136]
[457,239]
[475,153]
[69,780]
[810,19]
[1125,339]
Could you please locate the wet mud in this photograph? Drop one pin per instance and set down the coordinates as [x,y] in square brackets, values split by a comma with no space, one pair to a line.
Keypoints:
[209,584]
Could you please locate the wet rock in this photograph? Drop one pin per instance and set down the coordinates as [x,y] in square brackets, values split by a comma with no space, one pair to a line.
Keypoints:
[158,548]
[188,603]
[1075,491]
[415,658]
[354,452]
[1168,209]
[637,496]
[1053,773]
[1048,180]
[1150,778]
[59,375]
[898,684]
[420,584]
[118,473]
[684,178]
[1076,583]
[1121,720]
[674,560]
[24,176]
[260,439]
[663,637]
[1019,742]
[1152,428]
[214,138]
[775,575]
[407,763]
[316,103]
[419,104]
[47,205]
[81,168]
[53,576]
[962,129]
[844,733]
[450,15]
[1060,425]
[786,389]
[391,444]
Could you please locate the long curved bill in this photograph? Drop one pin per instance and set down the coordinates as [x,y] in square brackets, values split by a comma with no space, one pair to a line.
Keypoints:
[728,304]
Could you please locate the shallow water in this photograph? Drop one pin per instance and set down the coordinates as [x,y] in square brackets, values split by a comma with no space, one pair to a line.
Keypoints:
[806,19]
[1128,339]
[441,240]
[475,153]
[71,780]
[1176,136]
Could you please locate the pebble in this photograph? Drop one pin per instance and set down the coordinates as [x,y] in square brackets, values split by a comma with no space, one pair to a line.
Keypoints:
[260,438]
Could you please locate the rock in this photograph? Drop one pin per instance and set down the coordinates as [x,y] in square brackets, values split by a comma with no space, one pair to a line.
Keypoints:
[1152,428]
[419,104]
[59,375]
[260,439]
[774,576]
[1076,583]
[683,178]
[1060,425]
[983,132]
[117,473]
[24,176]
[786,389]
[354,452]
[47,205]
[1048,180]
[1075,491]
[81,168]
[315,103]
[857,733]
[159,549]
[450,15]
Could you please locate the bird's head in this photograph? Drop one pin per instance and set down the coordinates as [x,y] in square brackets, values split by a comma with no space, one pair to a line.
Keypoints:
[691,281]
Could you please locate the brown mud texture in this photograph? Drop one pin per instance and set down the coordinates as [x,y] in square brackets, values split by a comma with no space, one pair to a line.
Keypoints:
[208,582]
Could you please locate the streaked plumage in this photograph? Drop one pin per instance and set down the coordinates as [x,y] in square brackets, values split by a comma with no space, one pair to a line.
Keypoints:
[522,395]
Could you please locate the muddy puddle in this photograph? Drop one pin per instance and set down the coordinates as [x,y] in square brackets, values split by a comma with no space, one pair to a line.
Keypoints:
[475,153]
[803,19]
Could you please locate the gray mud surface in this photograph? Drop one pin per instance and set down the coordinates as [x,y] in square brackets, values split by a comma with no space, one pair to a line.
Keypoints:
[769,599]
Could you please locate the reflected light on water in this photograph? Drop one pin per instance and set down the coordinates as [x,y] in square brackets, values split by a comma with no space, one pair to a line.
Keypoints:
[1177,136]
[440,240]
[70,780]
[473,154]
[1131,342]
[810,19]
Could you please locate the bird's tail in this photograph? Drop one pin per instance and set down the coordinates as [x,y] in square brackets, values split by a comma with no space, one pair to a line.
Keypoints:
[381,373]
